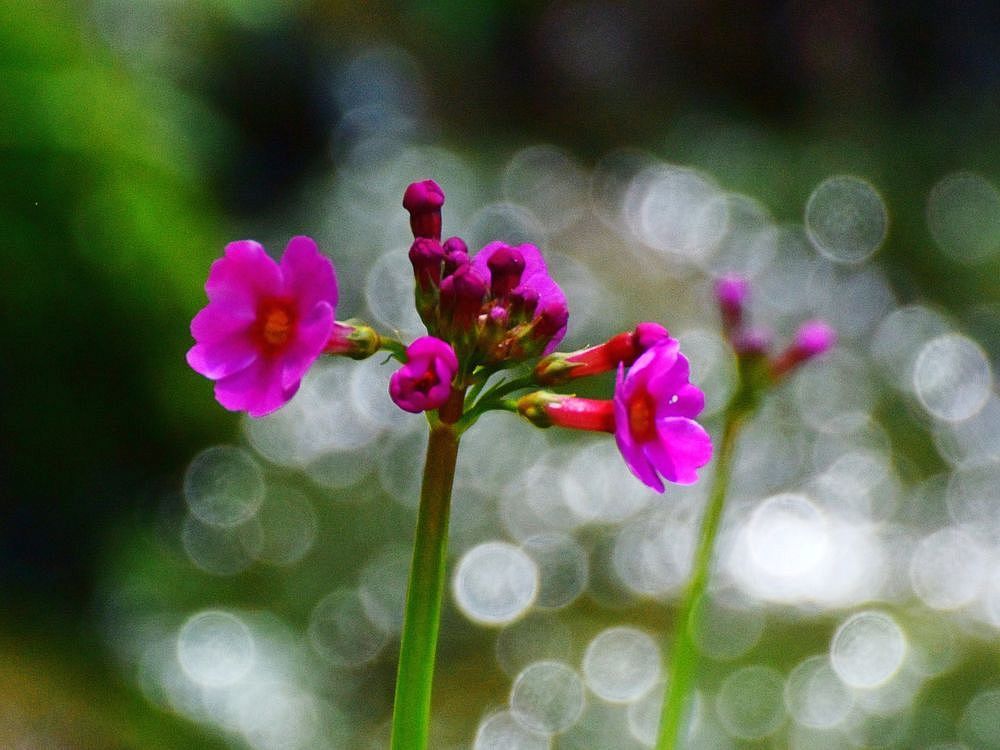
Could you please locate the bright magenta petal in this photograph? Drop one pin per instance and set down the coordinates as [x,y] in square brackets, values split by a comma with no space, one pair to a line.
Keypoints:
[683,447]
[218,321]
[688,401]
[243,276]
[312,333]
[256,389]
[220,359]
[308,274]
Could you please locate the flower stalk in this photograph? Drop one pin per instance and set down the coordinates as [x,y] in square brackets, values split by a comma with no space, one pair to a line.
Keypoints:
[422,617]
[684,654]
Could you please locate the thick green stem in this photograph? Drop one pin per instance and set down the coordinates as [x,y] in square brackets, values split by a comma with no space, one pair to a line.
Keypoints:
[412,707]
[684,654]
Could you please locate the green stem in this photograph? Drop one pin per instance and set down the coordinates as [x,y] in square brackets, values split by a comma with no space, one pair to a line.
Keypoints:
[684,654]
[412,707]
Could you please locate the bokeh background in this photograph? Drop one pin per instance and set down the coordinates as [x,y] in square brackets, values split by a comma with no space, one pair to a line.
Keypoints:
[176,576]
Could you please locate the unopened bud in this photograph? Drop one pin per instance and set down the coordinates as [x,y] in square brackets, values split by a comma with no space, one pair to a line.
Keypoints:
[426,255]
[623,348]
[544,409]
[462,296]
[424,200]
[812,339]
[731,293]
[506,266]
[354,339]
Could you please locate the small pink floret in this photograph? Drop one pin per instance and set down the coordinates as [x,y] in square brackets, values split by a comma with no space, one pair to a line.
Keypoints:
[424,382]
[265,323]
[655,409]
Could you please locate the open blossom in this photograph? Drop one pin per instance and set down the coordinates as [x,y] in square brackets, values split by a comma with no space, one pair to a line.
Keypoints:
[655,406]
[424,382]
[265,323]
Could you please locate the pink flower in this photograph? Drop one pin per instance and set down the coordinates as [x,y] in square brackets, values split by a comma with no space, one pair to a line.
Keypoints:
[655,407]
[424,382]
[265,323]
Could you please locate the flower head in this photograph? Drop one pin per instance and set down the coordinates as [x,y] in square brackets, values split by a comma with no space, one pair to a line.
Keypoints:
[655,406]
[265,323]
[424,382]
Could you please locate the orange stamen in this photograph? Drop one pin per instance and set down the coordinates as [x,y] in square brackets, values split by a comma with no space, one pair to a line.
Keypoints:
[641,413]
[275,323]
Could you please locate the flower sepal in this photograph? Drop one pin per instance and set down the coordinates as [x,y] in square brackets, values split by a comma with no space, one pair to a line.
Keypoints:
[353,338]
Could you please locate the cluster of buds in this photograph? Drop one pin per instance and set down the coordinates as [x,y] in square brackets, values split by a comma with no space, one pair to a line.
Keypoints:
[499,306]
[753,345]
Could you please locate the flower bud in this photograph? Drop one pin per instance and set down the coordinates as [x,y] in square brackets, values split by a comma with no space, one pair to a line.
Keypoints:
[522,303]
[455,245]
[751,342]
[813,338]
[623,348]
[462,296]
[453,260]
[544,409]
[506,266]
[731,293]
[426,256]
[424,200]
[353,339]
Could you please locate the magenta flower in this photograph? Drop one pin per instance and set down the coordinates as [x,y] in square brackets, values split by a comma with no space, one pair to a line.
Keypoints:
[265,323]
[522,273]
[655,406]
[424,382]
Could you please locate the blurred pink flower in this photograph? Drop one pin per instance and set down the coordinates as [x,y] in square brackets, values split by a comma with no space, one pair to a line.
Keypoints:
[655,406]
[424,382]
[265,323]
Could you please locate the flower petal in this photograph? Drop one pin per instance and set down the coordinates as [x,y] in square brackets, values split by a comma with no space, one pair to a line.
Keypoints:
[243,276]
[309,275]
[683,447]
[688,402]
[256,389]
[218,321]
[666,381]
[311,336]
[220,359]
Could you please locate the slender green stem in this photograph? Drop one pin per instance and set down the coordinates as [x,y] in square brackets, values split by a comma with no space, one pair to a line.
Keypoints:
[684,654]
[412,707]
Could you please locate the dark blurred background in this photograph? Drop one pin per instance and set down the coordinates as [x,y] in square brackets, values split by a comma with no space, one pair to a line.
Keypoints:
[137,138]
